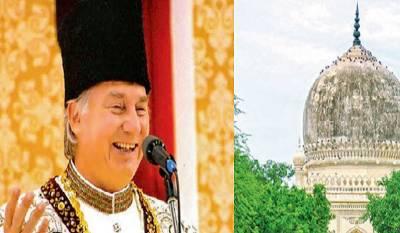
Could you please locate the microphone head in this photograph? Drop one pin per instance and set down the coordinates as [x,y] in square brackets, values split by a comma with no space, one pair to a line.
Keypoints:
[155,152]
[149,143]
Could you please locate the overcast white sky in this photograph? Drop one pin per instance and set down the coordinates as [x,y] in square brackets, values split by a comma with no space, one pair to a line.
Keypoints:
[280,48]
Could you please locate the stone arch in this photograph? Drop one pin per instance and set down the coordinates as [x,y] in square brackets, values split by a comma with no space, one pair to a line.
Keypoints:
[356,229]
[368,182]
[325,180]
[345,181]
[332,180]
[365,181]
[358,181]
[339,181]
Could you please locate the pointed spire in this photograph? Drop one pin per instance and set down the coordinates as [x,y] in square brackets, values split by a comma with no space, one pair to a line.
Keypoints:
[356,33]
[299,143]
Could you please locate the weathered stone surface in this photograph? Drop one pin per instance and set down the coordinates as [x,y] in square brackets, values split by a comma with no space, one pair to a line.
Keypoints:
[356,98]
[351,134]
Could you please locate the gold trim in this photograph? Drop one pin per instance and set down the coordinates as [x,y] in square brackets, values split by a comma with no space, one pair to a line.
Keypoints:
[96,199]
[150,223]
[75,204]
[149,213]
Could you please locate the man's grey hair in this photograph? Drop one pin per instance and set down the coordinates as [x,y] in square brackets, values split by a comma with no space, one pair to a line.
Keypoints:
[70,139]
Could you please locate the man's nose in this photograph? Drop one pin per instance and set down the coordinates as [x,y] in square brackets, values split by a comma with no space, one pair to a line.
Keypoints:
[131,123]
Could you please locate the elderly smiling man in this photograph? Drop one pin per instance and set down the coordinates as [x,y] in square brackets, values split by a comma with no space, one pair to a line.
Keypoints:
[107,119]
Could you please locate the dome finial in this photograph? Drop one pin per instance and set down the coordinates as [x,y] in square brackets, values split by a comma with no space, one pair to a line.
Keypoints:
[356,33]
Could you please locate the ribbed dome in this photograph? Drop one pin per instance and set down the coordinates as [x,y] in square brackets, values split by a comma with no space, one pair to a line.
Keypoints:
[354,99]
[351,134]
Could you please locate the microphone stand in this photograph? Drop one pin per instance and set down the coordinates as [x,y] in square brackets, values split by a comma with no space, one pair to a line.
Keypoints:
[172,189]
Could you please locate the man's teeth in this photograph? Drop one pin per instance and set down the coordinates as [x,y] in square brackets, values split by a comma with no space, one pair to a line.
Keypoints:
[125,146]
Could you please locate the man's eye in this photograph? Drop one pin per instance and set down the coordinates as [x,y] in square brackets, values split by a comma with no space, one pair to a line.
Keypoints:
[141,111]
[118,107]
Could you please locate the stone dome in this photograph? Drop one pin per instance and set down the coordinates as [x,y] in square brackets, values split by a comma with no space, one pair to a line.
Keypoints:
[355,99]
[351,134]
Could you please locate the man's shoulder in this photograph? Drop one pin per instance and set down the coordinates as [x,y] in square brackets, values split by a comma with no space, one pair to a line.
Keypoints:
[157,205]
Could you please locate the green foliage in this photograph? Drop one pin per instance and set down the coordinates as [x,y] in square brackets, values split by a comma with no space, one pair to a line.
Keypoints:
[240,138]
[247,191]
[264,201]
[384,212]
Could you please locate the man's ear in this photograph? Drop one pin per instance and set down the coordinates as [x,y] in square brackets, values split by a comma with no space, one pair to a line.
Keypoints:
[73,116]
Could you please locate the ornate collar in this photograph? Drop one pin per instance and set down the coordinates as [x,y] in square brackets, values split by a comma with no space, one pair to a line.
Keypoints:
[68,209]
[109,203]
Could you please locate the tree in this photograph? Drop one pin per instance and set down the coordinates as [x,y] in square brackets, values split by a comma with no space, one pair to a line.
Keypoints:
[384,212]
[264,201]
[248,190]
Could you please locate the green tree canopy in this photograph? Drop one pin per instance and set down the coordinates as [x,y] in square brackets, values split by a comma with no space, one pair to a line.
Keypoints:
[264,200]
[384,212]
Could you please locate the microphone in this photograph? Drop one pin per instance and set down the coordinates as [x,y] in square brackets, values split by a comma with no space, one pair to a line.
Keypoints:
[154,151]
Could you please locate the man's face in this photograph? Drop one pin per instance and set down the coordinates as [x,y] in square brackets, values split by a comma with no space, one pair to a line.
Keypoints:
[112,130]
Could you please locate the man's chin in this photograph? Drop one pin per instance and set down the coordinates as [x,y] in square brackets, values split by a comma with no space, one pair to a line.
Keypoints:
[125,171]
[120,180]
